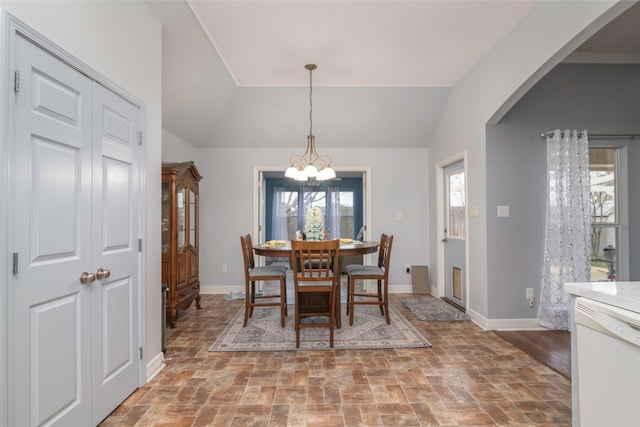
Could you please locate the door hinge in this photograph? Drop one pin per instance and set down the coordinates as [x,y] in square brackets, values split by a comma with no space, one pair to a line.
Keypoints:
[16,81]
[139,245]
[141,353]
[139,137]
[15,263]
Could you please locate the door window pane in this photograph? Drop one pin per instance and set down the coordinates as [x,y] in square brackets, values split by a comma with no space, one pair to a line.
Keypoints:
[347,227]
[291,211]
[457,204]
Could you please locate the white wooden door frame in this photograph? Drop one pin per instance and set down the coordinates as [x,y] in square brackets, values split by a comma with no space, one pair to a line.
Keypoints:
[10,27]
[441,222]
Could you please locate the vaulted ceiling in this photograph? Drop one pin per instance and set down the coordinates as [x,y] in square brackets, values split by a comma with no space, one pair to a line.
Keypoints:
[214,49]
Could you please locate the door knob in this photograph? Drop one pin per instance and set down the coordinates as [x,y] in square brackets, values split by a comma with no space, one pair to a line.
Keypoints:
[102,273]
[87,278]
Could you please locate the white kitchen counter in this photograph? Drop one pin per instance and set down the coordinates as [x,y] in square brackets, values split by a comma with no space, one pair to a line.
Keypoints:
[625,295]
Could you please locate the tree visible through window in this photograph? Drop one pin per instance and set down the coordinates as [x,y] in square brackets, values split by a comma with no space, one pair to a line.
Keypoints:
[457,204]
[604,213]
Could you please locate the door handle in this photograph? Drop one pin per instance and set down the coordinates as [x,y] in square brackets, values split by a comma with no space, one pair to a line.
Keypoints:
[445,240]
[87,278]
[102,273]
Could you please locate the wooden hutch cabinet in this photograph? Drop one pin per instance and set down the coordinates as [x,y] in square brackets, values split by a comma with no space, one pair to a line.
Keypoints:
[180,245]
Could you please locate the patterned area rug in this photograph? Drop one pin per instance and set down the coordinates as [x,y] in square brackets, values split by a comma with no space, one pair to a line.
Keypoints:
[369,330]
[434,310]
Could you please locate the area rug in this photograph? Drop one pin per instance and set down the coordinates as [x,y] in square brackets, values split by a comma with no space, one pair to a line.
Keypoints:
[369,330]
[434,310]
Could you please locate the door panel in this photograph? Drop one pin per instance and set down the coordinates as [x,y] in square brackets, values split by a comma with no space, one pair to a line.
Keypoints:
[115,248]
[75,182]
[51,220]
[454,233]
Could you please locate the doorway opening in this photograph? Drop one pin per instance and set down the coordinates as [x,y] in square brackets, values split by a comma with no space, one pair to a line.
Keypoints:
[452,224]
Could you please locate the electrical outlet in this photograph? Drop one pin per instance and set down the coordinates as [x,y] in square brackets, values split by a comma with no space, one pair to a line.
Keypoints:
[223,268]
[407,268]
[529,296]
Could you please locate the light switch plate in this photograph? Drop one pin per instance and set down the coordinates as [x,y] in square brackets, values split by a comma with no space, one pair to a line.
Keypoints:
[473,211]
[503,211]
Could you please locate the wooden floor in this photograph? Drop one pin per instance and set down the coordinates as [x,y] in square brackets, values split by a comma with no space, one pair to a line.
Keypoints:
[553,348]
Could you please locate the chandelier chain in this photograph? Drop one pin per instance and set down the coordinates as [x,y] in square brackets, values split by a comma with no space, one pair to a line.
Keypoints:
[310,102]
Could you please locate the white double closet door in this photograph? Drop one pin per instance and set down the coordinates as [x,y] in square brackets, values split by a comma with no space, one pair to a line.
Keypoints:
[75,342]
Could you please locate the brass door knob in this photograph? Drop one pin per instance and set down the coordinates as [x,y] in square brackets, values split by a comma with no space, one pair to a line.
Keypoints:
[87,278]
[102,273]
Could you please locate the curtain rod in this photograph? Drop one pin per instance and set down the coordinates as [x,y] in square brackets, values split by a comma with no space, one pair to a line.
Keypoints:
[602,135]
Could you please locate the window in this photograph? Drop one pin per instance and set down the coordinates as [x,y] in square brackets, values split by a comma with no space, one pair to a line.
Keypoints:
[605,218]
[457,202]
[286,201]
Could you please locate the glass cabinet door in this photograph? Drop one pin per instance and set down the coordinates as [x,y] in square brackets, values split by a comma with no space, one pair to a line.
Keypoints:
[165,217]
[181,218]
[192,218]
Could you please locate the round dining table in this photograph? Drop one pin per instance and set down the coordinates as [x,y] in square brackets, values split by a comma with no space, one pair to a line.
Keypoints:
[355,247]
[346,249]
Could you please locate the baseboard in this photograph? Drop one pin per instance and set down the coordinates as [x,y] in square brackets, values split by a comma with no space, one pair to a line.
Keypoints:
[155,365]
[514,325]
[217,290]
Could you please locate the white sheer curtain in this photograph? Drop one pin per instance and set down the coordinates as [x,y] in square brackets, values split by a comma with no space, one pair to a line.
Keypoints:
[567,246]
[279,215]
[334,221]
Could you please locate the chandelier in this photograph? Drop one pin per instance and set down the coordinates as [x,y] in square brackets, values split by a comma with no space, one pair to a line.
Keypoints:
[310,165]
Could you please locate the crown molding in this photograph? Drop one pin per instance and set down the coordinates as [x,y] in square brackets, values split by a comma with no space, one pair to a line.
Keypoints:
[602,58]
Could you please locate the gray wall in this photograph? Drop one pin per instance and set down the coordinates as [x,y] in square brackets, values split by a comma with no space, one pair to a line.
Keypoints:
[600,98]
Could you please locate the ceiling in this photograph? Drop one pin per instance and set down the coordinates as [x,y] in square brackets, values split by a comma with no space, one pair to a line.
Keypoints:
[355,43]
[211,48]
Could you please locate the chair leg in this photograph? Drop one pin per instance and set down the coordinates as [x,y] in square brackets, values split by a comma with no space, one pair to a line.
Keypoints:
[386,301]
[352,292]
[248,303]
[246,309]
[348,292]
[332,314]
[283,301]
[380,300]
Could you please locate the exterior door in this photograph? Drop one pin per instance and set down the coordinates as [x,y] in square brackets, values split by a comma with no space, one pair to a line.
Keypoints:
[74,336]
[454,234]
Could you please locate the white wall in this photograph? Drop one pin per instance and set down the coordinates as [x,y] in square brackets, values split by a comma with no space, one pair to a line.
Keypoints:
[546,35]
[175,149]
[399,183]
[123,42]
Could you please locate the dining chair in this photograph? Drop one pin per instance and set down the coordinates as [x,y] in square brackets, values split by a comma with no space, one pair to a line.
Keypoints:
[378,272]
[253,274]
[316,279]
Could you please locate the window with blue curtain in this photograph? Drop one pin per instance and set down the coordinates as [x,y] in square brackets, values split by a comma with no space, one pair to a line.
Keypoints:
[341,201]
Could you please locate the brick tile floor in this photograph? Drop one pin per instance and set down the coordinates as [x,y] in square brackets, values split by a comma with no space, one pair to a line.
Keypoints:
[468,377]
